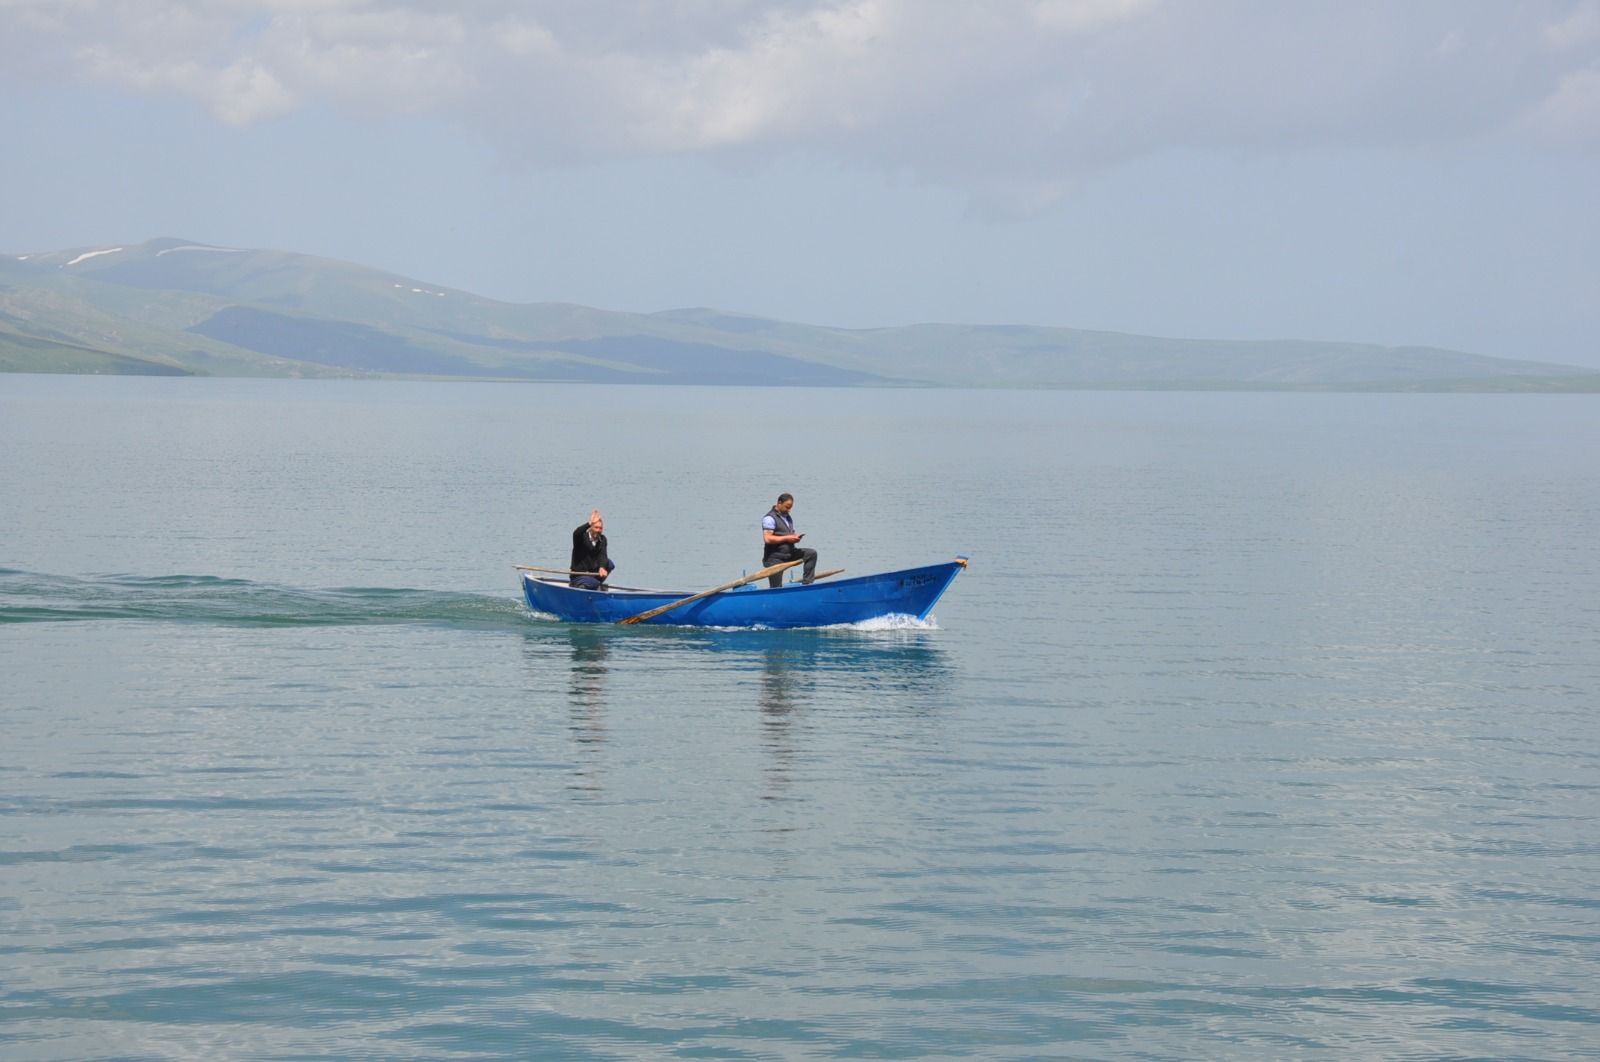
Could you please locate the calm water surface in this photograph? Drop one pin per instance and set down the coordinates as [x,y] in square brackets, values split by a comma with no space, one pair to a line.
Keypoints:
[1262,726]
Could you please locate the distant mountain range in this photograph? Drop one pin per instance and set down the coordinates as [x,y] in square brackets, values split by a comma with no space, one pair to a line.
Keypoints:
[177,308]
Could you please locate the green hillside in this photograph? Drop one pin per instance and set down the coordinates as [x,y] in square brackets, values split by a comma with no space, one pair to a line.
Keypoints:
[177,307]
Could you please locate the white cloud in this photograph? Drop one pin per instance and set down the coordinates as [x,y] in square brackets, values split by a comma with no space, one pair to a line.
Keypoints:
[1577,29]
[524,38]
[1013,99]
[1079,15]
[240,94]
[1571,114]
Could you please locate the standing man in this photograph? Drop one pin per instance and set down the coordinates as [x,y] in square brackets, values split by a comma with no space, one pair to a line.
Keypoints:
[589,554]
[780,542]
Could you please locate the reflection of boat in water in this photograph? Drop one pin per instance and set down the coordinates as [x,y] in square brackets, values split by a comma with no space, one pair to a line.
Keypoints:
[598,681]
[910,592]
[869,656]
[907,668]
[846,660]
[588,665]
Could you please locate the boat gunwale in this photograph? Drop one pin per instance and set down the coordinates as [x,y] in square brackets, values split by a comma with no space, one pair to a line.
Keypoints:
[610,591]
[617,591]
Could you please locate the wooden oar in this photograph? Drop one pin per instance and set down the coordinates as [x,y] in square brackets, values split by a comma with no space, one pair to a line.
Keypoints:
[762,574]
[552,571]
[824,575]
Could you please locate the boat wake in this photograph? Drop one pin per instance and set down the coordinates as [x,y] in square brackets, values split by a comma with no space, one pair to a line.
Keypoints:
[30,597]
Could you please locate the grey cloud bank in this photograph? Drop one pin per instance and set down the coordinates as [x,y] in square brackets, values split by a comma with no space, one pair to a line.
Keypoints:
[987,97]
[983,162]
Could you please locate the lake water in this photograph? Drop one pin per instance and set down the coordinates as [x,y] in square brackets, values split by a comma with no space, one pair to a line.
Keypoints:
[1260,726]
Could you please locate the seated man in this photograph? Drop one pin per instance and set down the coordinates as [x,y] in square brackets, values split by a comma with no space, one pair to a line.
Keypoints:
[589,554]
[780,542]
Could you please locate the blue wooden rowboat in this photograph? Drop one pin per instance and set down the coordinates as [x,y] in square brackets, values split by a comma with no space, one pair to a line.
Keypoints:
[911,592]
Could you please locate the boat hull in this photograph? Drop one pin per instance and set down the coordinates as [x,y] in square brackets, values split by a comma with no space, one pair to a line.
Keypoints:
[911,592]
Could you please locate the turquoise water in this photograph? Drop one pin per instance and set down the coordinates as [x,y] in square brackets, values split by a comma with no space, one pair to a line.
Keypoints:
[1261,726]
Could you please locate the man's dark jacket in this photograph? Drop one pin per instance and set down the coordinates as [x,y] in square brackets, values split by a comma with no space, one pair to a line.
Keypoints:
[587,556]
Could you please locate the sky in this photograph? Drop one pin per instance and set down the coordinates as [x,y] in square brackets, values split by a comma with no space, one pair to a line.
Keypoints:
[1423,172]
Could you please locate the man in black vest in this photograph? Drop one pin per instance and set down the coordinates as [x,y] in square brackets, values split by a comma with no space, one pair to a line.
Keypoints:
[589,554]
[780,542]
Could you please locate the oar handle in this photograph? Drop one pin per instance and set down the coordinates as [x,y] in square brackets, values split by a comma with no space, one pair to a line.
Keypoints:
[550,571]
